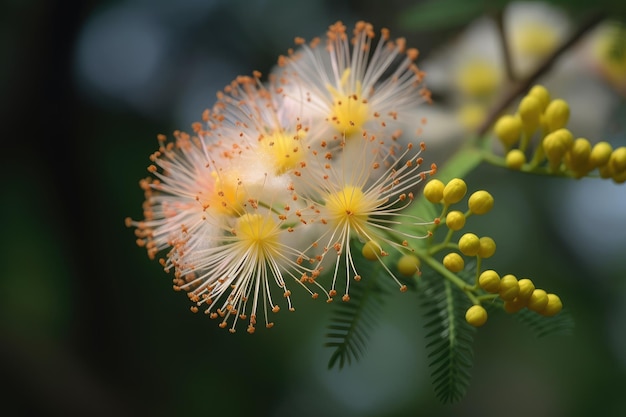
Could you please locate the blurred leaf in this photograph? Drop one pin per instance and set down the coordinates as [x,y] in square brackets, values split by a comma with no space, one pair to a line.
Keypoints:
[352,320]
[444,14]
[460,164]
[449,338]
[561,324]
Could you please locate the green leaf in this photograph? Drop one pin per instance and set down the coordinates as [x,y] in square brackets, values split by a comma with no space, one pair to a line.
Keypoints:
[351,321]
[461,163]
[444,14]
[541,326]
[449,338]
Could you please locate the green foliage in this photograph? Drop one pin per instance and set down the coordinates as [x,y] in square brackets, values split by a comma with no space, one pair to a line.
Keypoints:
[443,14]
[351,321]
[449,338]
[561,324]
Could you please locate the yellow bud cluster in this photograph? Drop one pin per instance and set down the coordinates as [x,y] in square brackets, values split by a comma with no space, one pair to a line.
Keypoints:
[518,294]
[472,245]
[558,148]
[579,157]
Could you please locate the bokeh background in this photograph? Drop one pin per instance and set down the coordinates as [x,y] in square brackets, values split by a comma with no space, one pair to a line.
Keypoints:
[89,326]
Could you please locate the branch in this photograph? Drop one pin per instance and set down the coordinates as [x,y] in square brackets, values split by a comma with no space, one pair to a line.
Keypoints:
[522,86]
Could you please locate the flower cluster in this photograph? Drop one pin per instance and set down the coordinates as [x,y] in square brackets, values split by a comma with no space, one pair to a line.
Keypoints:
[488,285]
[556,152]
[281,179]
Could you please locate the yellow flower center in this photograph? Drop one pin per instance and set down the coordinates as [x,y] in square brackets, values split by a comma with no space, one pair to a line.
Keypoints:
[348,205]
[350,110]
[258,233]
[478,78]
[285,150]
[226,197]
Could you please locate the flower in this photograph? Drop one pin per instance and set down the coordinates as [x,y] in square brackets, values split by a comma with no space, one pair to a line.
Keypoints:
[225,244]
[358,203]
[337,81]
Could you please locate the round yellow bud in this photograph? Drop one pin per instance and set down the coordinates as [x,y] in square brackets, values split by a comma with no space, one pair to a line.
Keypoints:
[515,159]
[454,191]
[526,288]
[408,264]
[553,306]
[469,244]
[453,262]
[487,247]
[541,94]
[578,155]
[433,191]
[455,220]
[537,300]
[508,129]
[557,114]
[514,305]
[480,202]
[371,251]
[617,161]
[529,110]
[620,177]
[476,315]
[489,281]
[553,148]
[600,155]
[509,287]
[565,136]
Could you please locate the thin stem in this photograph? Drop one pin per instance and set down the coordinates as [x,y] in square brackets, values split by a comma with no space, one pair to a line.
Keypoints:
[506,51]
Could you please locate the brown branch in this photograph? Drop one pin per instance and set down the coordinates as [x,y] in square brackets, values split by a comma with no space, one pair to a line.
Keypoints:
[504,43]
[525,84]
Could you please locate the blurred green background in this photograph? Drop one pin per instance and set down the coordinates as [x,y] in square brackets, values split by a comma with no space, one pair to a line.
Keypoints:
[89,326]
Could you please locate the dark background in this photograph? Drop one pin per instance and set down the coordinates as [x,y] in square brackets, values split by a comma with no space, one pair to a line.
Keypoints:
[89,326]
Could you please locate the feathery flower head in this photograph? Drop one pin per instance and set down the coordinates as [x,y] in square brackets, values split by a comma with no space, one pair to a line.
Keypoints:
[358,203]
[351,83]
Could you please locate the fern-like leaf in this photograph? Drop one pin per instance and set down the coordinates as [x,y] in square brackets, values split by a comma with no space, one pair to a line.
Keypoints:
[449,339]
[561,324]
[351,321]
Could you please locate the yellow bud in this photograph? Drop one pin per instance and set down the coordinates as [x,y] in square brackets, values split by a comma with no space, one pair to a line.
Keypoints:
[408,265]
[605,171]
[565,136]
[453,262]
[480,202]
[515,159]
[469,244]
[487,247]
[537,300]
[433,191]
[508,129]
[553,306]
[514,305]
[619,178]
[476,315]
[371,251]
[578,156]
[489,281]
[555,145]
[557,114]
[454,191]
[455,220]
[617,162]
[600,155]
[529,110]
[526,288]
[541,94]
[509,287]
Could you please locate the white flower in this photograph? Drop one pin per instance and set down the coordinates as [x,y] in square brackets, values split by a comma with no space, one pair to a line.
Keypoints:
[351,84]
